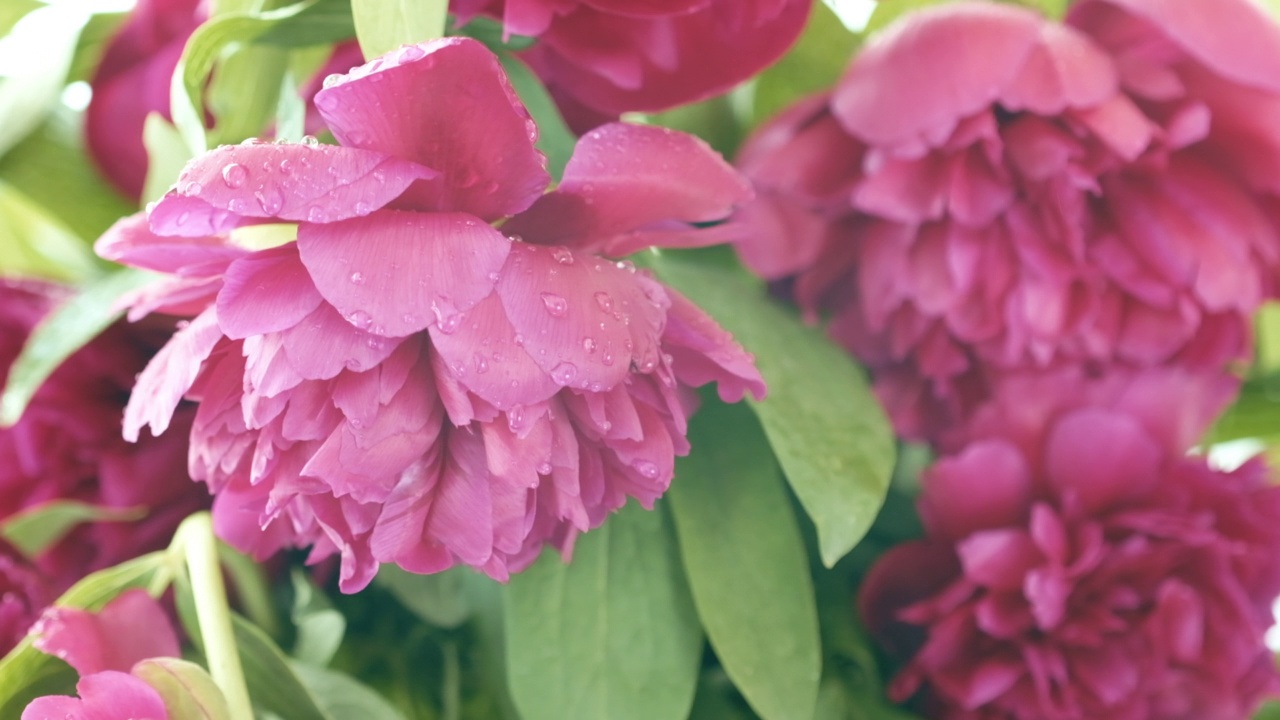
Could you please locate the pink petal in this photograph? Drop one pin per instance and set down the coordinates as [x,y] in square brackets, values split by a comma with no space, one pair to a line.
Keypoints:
[462,512]
[264,292]
[582,319]
[169,375]
[998,559]
[395,273]
[323,344]
[483,354]
[626,177]
[481,139]
[893,94]
[130,241]
[1064,70]
[1101,457]
[314,183]
[704,352]
[110,695]
[986,486]
[132,627]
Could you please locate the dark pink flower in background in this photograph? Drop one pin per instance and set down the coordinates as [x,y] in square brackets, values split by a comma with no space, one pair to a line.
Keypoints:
[132,81]
[67,444]
[24,592]
[986,190]
[442,369]
[104,647]
[602,58]
[1109,578]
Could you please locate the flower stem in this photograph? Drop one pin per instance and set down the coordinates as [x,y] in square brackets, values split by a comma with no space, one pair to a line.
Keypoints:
[201,551]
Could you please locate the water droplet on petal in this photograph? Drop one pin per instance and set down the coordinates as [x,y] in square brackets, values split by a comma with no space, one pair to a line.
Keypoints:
[646,468]
[563,255]
[588,344]
[564,373]
[237,205]
[604,301]
[605,426]
[270,200]
[409,53]
[447,316]
[556,305]
[515,418]
[193,188]
[362,208]
[518,340]
[183,217]
[544,468]
[482,365]
[357,278]
[286,167]
[317,214]
[360,319]
[312,140]
[234,175]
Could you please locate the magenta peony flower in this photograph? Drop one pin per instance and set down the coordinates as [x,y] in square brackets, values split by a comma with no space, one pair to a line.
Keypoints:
[67,444]
[407,383]
[103,647]
[1110,577]
[601,59]
[24,592]
[132,81]
[985,190]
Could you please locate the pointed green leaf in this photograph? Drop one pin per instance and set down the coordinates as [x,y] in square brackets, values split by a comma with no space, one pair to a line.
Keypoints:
[320,627]
[35,244]
[746,563]
[273,684]
[47,42]
[440,598]
[27,673]
[612,634]
[826,428]
[341,696]
[33,529]
[66,329]
[186,688]
[384,25]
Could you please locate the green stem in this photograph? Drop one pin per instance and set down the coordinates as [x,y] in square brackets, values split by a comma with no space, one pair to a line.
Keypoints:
[201,550]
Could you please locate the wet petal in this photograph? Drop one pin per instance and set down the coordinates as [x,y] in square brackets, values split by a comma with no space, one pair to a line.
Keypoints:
[130,241]
[704,352]
[395,273]
[481,139]
[169,375]
[314,183]
[265,292]
[625,177]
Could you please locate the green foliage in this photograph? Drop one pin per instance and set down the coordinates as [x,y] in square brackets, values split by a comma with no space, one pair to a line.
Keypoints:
[31,92]
[14,10]
[187,690]
[814,64]
[34,244]
[611,635]
[826,428]
[38,527]
[746,563]
[440,599]
[319,626]
[341,696]
[274,686]
[384,25]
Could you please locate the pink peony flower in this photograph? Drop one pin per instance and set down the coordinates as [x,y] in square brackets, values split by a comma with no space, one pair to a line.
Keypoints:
[985,190]
[407,383]
[103,647]
[132,81]
[1109,577]
[67,444]
[601,59]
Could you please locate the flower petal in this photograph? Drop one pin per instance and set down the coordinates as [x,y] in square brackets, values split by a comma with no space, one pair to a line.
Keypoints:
[169,375]
[1101,457]
[481,139]
[704,352]
[265,292]
[103,696]
[623,178]
[395,273]
[986,486]
[315,183]
[132,627]
[130,241]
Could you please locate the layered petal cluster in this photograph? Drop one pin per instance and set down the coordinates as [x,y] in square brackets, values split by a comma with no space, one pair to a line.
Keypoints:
[604,58]
[986,191]
[126,655]
[1100,575]
[406,382]
[132,81]
[67,444]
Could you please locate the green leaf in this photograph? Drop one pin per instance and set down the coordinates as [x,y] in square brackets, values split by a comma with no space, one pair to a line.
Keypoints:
[186,688]
[826,428]
[14,10]
[34,244]
[167,153]
[323,22]
[274,686]
[33,529]
[555,139]
[245,92]
[384,25]
[888,11]
[440,598]
[27,673]
[612,634]
[320,627]
[63,331]
[341,696]
[813,64]
[746,564]
[47,44]
[52,169]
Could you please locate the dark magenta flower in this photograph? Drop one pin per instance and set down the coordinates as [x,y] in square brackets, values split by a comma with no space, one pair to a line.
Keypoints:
[442,368]
[986,191]
[24,592]
[67,444]
[1095,573]
[601,58]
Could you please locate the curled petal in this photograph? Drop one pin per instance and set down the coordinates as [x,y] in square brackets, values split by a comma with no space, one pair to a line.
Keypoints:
[481,139]
[223,188]
[131,241]
[131,628]
[704,352]
[623,178]
[265,292]
[106,695]
[361,267]
[169,375]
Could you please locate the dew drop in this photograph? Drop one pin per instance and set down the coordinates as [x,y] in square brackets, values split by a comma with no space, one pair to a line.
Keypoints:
[193,188]
[515,418]
[237,205]
[605,426]
[353,364]
[607,358]
[362,208]
[357,278]
[518,340]
[544,468]
[447,316]
[563,255]
[374,342]
[646,468]
[556,305]
[271,201]
[234,175]
[409,53]
[286,167]
[604,301]
[310,140]
[360,319]
[379,176]
[482,365]
[183,217]
[588,344]
[317,215]
[564,373]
